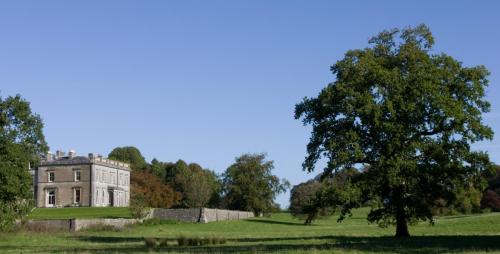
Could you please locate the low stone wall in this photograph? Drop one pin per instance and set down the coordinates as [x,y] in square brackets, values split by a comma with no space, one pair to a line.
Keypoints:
[187,215]
[195,215]
[202,215]
[63,225]
[79,224]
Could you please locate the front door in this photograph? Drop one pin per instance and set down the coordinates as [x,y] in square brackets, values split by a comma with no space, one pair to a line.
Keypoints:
[51,198]
[111,198]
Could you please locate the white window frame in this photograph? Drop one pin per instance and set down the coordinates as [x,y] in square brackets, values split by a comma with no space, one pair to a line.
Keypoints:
[48,204]
[49,178]
[78,176]
[79,195]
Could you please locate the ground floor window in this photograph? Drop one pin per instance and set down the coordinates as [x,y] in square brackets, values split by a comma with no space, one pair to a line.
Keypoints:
[77,192]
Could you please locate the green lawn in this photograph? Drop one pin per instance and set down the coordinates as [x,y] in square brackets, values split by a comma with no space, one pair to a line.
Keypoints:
[278,234]
[79,212]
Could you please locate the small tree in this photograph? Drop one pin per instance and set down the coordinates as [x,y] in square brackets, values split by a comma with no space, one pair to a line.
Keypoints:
[407,114]
[249,184]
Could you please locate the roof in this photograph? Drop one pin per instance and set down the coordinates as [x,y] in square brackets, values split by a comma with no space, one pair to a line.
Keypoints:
[67,161]
[79,160]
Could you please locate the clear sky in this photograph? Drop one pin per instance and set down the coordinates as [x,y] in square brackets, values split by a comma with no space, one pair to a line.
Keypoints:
[206,81]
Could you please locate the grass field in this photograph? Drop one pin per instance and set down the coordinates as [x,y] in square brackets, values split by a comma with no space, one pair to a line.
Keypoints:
[79,213]
[277,234]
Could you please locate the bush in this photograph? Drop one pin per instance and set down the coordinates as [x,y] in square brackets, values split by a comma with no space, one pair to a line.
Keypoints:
[182,241]
[491,200]
[163,242]
[197,241]
[138,206]
[150,242]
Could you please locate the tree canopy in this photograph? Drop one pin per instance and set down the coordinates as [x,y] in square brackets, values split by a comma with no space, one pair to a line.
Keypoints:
[131,155]
[21,142]
[249,184]
[408,114]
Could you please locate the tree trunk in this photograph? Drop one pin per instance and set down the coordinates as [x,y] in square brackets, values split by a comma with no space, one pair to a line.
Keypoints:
[402,228]
[401,223]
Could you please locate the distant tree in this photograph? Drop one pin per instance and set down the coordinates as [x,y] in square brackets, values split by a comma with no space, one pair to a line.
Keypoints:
[158,168]
[152,190]
[249,184]
[491,196]
[21,142]
[320,197]
[408,114]
[303,201]
[197,185]
[491,200]
[129,154]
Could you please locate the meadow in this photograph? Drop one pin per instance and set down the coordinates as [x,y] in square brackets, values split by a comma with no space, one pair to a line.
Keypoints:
[279,233]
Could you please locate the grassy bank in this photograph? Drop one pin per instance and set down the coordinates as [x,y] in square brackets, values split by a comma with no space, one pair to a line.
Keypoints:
[277,234]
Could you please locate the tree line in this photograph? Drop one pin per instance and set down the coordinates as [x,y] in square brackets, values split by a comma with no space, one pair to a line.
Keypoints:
[248,184]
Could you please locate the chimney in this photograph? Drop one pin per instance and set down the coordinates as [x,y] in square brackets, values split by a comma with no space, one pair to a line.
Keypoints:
[91,156]
[59,154]
[71,153]
[99,156]
[49,156]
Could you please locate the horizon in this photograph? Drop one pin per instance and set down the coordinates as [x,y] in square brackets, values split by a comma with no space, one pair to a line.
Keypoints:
[207,82]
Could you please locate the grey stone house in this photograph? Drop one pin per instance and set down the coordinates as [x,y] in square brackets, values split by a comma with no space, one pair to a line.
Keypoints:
[62,181]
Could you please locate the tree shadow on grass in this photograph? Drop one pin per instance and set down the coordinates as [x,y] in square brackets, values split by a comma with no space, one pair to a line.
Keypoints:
[277,222]
[413,245]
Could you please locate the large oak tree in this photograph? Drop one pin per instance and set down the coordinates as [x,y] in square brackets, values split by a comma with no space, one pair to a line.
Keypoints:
[409,116]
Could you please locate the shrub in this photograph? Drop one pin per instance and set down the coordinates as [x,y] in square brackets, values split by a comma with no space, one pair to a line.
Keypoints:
[182,241]
[491,200]
[163,242]
[138,206]
[150,242]
[197,241]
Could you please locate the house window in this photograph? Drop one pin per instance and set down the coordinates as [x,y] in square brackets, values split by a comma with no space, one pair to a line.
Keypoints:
[77,195]
[78,175]
[51,176]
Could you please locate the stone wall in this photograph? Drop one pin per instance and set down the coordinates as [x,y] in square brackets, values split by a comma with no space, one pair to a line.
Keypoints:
[63,225]
[202,215]
[186,215]
[79,224]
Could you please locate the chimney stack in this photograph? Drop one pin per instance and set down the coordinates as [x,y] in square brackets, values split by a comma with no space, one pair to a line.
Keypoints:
[71,153]
[59,154]
[91,156]
[49,156]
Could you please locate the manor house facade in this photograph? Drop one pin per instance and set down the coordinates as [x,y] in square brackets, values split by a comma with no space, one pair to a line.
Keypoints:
[70,180]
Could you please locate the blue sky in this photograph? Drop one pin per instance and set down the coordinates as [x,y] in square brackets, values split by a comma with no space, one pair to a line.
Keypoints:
[206,81]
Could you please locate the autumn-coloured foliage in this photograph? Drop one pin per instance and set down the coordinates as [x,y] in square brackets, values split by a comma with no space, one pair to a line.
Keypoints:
[155,192]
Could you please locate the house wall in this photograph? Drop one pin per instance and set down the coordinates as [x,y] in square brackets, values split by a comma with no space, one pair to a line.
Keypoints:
[63,184]
[106,178]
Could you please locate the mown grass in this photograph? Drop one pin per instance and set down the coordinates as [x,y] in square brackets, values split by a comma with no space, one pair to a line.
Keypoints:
[277,234]
[79,212]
